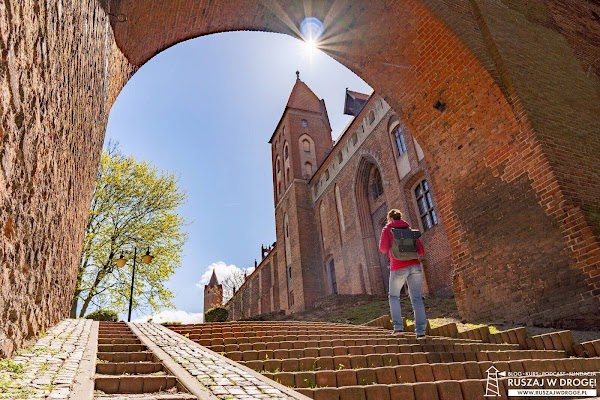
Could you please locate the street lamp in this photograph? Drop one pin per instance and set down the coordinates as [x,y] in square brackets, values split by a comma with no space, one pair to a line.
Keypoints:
[146,259]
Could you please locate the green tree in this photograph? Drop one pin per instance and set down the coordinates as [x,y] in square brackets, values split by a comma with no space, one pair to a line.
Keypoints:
[134,205]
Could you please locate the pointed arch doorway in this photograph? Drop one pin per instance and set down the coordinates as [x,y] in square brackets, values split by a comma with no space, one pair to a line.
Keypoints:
[372,211]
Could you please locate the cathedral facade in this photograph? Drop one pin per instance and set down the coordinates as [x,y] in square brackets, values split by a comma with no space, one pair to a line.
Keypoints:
[331,200]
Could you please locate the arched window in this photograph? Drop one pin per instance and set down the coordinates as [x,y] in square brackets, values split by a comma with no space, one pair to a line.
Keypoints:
[306,145]
[308,169]
[338,203]
[323,220]
[278,175]
[371,117]
[399,140]
[332,277]
[286,151]
[286,232]
[375,183]
[425,205]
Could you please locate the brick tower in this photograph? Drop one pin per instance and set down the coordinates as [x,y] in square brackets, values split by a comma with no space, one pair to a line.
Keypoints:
[299,145]
[213,293]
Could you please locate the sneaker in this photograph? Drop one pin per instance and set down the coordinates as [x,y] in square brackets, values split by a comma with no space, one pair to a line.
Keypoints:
[397,332]
[422,336]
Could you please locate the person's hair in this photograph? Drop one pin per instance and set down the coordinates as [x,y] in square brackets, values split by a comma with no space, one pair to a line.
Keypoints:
[395,214]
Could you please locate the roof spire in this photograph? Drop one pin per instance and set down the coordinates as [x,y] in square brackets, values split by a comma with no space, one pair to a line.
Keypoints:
[297,75]
[213,279]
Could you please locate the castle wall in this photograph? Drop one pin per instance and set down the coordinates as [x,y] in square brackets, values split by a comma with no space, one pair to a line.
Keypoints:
[60,72]
[513,157]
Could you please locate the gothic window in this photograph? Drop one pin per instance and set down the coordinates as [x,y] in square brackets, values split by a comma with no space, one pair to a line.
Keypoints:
[326,174]
[399,140]
[371,117]
[332,277]
[340,157]
[306,145]
[338,203]
[308,169]
[375,183]
[354,138]
[286,163]
[425,205]
[278,175]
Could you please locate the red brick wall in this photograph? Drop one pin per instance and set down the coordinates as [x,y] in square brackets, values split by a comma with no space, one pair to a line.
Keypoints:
[213,297]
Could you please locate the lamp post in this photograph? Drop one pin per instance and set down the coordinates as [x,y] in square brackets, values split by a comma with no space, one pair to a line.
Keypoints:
[146,259]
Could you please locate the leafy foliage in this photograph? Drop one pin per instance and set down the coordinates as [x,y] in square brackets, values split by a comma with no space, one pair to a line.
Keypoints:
[134,206]
[103,315]
[216,314]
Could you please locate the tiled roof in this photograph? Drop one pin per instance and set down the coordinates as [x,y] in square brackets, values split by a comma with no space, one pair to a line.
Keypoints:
[303,98]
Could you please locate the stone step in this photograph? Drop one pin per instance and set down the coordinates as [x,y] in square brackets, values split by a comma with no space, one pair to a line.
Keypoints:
[587,349]
[427,372]
[126,340]
[381,338]
[113,348]
[281,354]
[126,357]
[130,368]
[134,384]
[146,396]
[464,389]
[393,359]
[113,337]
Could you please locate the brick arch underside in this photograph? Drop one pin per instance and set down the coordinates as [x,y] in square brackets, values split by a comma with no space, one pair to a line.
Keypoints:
[508,222]
[64,63]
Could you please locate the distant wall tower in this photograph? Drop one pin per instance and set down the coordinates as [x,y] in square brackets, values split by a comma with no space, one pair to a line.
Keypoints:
[213,293]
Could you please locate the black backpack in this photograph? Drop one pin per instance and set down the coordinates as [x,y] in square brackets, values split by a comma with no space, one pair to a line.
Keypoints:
[405,243]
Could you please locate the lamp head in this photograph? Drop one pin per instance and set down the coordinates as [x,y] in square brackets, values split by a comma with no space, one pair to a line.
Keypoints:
[121,261]
[147,258]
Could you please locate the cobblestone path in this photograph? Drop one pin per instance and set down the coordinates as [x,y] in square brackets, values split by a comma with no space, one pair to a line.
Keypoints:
[224,378]
[48,368]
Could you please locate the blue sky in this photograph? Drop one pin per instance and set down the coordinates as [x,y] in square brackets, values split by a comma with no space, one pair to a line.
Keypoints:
[205,109]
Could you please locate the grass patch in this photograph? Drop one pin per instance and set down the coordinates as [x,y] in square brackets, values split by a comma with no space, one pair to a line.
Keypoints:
[12,366]
[366,312]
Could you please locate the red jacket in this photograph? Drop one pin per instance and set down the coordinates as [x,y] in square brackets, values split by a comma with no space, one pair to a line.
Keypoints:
[387,239]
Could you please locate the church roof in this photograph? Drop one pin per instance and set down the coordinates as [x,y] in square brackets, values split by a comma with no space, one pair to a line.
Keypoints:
[213,279]
[303,98]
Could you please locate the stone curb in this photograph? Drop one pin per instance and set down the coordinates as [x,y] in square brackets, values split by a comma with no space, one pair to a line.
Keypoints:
[284,389]
[184,377]
[83,386]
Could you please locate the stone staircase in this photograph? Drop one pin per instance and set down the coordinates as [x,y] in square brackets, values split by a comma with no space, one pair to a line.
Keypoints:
[328,361]
[125,369]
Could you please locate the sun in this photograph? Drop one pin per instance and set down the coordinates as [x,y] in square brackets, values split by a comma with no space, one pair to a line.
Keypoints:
[311,29]
[310,45]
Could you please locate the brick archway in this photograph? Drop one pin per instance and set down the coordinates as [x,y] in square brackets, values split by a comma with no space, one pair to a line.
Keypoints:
[443,67]
[516,95]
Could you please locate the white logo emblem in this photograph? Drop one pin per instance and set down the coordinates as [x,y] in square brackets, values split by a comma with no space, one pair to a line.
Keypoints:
[492,389]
